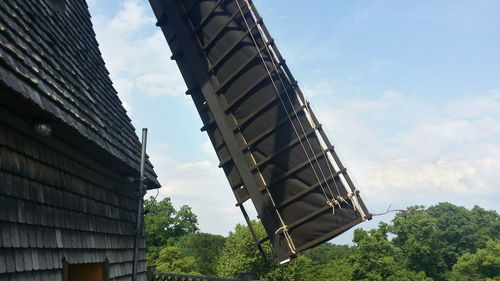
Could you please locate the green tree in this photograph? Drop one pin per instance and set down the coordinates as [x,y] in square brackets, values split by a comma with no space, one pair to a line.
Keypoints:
[487,224]
[326,252]
[426,246]
[240,253]
[186,221]
[376,258]
[462,230]
[298,269]
[163,225]
[418,236]
[329,262]
[484,265]
[204,247]
[334,270]
[170,259]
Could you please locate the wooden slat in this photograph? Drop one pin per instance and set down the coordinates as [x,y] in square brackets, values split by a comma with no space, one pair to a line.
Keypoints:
[330,177]
[297,168]
[230,49]
[270,130]
[284,148]
[220,31]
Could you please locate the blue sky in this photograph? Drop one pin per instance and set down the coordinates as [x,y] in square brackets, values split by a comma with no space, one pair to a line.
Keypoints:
[408,91]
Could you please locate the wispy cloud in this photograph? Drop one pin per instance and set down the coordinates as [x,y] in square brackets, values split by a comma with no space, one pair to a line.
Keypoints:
[139,61]
[407,150]
[201,185]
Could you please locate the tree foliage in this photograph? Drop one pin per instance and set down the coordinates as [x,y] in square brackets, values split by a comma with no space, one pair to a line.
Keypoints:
[170,259]
[376,258]
[298,269]
[444,242]
[240,253]
[461,230]
[484,265]
[326,252]
[163,224]
[333,270]
[205,248]
[434,239]
[419,237]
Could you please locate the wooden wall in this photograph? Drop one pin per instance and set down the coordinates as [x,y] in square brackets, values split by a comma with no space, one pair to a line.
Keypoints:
[59,205]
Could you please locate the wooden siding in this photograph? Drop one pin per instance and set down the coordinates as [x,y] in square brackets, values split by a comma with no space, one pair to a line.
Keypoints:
[58,205]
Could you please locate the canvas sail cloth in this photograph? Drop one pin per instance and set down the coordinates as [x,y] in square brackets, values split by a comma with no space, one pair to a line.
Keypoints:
[269,143]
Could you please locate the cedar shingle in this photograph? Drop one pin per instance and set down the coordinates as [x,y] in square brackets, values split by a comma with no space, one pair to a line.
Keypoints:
[21,212]
[42,258]
[39,239]
[3,266]
[14,235]
[9,260]
[6,240]
[58,55]
[34,259]
[32,238]
[18,255]
[58,238]
[20,277]
[23,235]
[28,263]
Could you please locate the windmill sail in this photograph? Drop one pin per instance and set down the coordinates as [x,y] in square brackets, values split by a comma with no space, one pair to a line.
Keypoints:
[270,145]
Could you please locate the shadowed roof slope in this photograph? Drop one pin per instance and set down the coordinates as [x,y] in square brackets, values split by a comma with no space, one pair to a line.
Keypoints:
[49,55]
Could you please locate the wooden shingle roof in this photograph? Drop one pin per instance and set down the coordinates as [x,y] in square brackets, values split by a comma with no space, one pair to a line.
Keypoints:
[49,55]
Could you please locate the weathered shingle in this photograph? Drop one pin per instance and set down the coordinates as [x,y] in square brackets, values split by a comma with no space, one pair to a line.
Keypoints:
[3,266]
[58,214]
[58,202]
[51,58]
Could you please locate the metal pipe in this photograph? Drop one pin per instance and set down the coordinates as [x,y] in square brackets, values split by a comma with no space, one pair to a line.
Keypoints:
[140,199]
[254,234]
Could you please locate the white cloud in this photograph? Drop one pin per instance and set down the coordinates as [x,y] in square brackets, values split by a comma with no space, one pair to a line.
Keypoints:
[317,89]
[199,184]
[208,149]
[476,106]
[406,150]
[138,61]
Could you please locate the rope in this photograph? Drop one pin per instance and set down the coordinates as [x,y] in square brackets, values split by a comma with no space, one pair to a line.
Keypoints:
[288,238]
[273,58]
[326,155]
[332,204]
[409,210]
[280,97]
[283,228]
